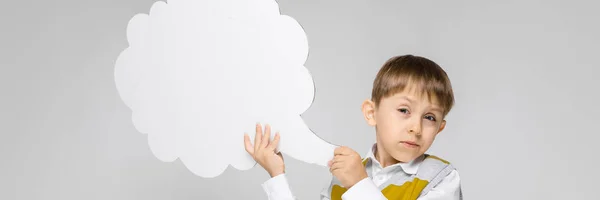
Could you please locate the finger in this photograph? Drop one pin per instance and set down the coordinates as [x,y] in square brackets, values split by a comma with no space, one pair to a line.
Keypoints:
[258,137]
[274,143]
[338,151]
[339,158]
[248,145]
[332,161]
[341,151]
[336,166]
[267,137]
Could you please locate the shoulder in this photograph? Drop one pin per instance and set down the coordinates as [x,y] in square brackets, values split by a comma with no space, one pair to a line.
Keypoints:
[433,157]
[453,176]
[448,188]
[433,165]
[443,177]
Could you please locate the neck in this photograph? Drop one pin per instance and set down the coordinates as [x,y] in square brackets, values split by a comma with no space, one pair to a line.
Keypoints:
[383,157]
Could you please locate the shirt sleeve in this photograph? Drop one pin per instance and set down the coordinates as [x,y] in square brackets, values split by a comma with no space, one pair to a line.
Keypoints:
[364,189]
[277,188]
[447,189]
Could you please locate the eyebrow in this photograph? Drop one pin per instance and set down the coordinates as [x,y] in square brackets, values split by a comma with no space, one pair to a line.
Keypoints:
[406,98]
[412,101]
[436,109]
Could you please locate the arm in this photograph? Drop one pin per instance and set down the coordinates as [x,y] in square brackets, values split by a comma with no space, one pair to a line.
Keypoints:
[263,152]
[448,189]
[364,189]
[277,188]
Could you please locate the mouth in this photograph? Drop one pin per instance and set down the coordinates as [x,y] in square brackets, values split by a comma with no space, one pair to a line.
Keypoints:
[410,144]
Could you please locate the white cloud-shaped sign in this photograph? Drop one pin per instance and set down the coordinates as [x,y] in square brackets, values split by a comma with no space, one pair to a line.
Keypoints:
[197,75]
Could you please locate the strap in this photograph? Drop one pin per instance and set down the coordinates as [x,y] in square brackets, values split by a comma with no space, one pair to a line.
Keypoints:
[437,179]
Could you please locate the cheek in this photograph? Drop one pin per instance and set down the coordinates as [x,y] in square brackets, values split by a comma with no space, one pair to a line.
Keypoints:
[392,120]
[387,132]
[390,126]
[430,127]
[428,138]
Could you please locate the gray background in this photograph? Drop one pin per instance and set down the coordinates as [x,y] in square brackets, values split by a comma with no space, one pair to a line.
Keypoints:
[524,74]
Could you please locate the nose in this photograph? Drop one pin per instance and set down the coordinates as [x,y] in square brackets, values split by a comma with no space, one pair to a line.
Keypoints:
[415,127]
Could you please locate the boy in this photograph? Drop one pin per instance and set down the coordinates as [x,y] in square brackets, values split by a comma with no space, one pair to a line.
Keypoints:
[411,97]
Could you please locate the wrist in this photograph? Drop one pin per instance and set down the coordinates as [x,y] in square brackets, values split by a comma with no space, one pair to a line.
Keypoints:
[276,173]
[359,179]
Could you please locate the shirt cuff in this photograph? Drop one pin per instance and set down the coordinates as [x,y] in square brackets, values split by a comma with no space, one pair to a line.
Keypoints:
[278,188]
[364,189]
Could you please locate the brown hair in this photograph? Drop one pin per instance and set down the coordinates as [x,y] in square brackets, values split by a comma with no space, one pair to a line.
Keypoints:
[424,75]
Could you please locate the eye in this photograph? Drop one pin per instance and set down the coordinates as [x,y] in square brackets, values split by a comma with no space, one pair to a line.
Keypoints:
[431,118]
[403,110]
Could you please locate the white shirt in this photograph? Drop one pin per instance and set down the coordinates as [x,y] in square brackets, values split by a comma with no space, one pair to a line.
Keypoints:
[277,188]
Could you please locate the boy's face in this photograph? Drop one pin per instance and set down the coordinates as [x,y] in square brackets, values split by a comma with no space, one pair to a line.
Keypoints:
[406,124]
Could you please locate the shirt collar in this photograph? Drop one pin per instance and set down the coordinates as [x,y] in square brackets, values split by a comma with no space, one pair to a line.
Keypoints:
[409,167]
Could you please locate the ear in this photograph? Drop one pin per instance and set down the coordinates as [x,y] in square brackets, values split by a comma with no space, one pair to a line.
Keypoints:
[368,109]
[442,126]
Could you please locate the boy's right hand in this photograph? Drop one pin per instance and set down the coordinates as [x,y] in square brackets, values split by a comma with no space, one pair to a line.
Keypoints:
[263,151]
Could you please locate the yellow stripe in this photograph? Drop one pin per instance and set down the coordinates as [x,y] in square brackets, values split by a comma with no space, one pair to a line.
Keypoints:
[407,191]
[337,192]
[438,158]
[410,190]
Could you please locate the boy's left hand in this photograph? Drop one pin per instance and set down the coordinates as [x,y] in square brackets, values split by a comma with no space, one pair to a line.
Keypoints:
[347,167]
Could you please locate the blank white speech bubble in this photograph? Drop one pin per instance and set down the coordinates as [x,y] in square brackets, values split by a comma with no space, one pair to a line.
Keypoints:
[197,75]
